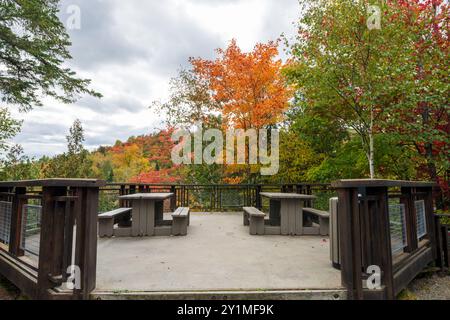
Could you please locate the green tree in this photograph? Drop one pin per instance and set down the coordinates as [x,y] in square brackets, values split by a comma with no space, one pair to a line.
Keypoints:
[34,47]
[8,128]
[75,163]
[190,101]
[75,138]
[346,71]
[17,166]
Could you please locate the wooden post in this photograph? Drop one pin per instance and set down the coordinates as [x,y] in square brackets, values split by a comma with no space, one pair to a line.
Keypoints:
[350,242]
[433,233]
[86,243]
[15,239]
[411,219]
[439,257]
[383,237]
[49,260]
[444,236]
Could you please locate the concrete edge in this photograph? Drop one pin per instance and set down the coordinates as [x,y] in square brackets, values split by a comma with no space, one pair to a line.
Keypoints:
[329,294]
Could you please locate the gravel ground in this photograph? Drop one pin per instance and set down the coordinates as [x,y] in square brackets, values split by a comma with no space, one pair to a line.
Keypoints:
[428,287]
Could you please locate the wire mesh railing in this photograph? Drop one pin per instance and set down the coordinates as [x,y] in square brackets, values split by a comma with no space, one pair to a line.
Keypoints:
[215,198]
[421,218]
[5,221]
[31,229]
[397,218]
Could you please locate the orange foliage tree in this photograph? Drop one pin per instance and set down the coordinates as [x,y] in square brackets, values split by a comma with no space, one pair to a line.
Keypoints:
[249,87]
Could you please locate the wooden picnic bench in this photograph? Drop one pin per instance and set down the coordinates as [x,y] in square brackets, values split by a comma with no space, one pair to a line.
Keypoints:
[107,220]
[255,219]
[181,218]
[322,218]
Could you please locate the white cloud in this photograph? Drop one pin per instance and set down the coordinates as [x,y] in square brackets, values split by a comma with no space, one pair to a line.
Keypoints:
[130,49]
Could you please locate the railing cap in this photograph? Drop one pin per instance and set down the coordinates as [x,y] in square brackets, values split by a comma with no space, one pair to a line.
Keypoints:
[306,184]
[80,183]
[380,183]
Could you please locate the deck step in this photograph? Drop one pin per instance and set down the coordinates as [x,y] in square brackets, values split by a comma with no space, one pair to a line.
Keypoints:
[330,294]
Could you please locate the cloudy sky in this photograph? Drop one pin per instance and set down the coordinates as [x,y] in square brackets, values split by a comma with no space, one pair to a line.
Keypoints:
[130,49]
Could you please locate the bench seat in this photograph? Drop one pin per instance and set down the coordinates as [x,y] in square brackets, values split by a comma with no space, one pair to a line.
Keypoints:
[107,220]
[254,218]
[181,218]
[322,218]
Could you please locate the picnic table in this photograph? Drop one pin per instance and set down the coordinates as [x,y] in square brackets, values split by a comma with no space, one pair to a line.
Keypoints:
[147,213]
[286,211]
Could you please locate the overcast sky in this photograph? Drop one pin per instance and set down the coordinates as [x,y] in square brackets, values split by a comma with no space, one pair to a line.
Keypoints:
[130,49]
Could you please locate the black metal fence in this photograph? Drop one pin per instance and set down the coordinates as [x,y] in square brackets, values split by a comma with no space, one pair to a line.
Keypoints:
[215,198]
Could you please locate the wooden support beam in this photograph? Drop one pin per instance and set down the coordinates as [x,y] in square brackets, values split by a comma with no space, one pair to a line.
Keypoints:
[15,239]
[384,238]
[445,248]
[439,241]
[50,251]
[350,243]
[433,234]
[86,215]
[407,198]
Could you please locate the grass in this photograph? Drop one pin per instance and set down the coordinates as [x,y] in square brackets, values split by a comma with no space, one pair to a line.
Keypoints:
[406,295]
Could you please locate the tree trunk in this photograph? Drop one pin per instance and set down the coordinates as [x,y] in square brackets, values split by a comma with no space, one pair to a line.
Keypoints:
[432,171]
[371,158]
[371,155]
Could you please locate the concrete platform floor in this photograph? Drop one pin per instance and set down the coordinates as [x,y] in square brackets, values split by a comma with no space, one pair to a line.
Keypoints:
[218,254]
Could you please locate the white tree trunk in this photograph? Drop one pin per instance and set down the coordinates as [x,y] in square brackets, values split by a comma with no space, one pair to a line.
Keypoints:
[371,155]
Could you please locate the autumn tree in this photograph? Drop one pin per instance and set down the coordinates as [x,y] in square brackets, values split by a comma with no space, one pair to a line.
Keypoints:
[128,162]
[248,87]
[102,166]
[422,117]
[157,149]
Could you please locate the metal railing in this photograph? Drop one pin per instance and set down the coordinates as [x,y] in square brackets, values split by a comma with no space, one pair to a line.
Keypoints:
[5,221]
[31,229]
[215,198]
[397,220]
[387,224]
[50,228]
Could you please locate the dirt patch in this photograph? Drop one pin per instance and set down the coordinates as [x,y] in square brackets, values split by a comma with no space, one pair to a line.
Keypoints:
[428,287]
